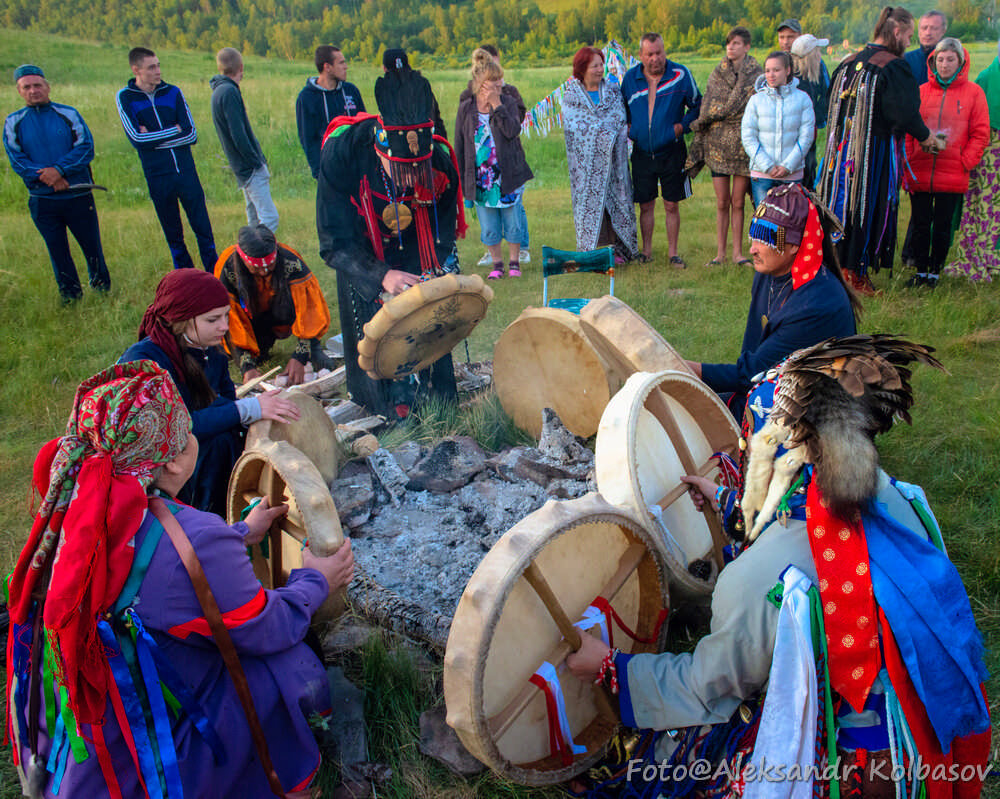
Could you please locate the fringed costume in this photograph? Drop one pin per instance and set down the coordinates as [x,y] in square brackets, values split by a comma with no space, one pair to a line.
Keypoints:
[843,657]
[370,221]
[874,101]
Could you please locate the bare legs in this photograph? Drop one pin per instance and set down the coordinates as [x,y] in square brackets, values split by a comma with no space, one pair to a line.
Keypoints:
[647,221]
[673,214]
[729,214]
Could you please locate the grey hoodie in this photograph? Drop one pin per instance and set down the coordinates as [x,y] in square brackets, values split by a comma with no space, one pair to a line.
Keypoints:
[233,126]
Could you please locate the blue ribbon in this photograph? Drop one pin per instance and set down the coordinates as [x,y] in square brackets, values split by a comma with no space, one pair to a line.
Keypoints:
[158,708]
[133,709]
[169,677]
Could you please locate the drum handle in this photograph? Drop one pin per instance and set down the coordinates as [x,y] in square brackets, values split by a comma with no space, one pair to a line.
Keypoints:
[537,581]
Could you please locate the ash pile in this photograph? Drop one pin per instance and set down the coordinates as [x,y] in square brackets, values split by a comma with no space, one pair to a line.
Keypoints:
[422,518]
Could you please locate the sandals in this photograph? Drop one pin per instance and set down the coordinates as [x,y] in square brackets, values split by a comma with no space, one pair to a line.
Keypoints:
[716,262]
[497,272]
[514,269]
[642,258]
[677,262]
[744,262]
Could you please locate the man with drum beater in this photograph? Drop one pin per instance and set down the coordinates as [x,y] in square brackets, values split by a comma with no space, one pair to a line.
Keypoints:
[388,210]
[798,297]
[843,655]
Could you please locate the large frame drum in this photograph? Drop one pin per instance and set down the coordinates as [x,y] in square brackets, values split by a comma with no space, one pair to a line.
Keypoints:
[658,428]
[552,565]
[544,360]
[417,327]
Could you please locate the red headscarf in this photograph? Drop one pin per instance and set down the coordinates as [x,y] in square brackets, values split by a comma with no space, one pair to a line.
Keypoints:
[126,421]
[182,294]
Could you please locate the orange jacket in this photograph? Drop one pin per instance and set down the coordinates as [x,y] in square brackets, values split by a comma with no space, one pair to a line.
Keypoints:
[961,113]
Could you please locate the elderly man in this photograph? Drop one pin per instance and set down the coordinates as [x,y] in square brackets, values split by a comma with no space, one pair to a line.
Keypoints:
[798,297]
[158,124]
[661,101]
[324,97]
[50,147]
[272,295]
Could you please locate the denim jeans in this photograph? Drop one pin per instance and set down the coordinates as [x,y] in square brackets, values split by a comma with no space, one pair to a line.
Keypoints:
[760,186]
[523,219]
[497,224]
[260,206]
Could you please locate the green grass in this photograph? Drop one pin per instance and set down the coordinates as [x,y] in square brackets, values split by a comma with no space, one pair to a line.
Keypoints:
[45,351]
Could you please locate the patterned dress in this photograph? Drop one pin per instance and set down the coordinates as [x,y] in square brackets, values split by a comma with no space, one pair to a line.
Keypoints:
[978,239]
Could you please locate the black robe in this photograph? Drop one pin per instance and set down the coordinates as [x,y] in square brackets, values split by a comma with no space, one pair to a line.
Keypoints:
[874,102]
[351,179]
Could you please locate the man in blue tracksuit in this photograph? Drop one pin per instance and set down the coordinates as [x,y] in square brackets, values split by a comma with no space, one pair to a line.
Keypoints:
[661,102]
[50,148]
[159,125]
[324,97]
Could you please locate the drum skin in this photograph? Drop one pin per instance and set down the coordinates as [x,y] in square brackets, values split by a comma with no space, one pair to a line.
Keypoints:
[626,341]
[312,434]
[544,360]
[417,327]
[502,632]
[637,464]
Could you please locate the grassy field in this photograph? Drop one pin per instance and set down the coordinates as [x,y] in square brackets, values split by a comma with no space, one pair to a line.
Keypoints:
[952,449]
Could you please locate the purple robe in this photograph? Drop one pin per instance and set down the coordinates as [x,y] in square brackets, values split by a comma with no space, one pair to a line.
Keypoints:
[286,679]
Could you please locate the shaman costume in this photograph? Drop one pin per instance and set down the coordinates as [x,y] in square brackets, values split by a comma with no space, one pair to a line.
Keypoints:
[874,101]
[272,294]
[118,686]
[370,221]
[848,609]
[597,154]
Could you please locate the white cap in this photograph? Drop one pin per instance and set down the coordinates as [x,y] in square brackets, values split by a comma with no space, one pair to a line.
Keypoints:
[805,44]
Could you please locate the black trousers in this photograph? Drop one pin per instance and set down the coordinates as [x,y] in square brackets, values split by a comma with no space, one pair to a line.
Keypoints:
[931,221]
[167,193]
[53,217]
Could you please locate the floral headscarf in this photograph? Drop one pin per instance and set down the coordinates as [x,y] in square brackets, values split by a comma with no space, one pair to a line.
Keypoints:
[125,423]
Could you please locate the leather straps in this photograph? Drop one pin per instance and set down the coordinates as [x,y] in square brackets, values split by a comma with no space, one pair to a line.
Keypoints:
[219,632]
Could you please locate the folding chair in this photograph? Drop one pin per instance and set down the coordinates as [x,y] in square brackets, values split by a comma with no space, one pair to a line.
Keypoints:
[564,262]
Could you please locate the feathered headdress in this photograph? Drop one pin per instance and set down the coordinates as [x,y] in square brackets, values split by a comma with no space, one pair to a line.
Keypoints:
[829,403]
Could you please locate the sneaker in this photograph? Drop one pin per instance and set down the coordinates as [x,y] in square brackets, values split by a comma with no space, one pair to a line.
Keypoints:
[524,256]
[486,260]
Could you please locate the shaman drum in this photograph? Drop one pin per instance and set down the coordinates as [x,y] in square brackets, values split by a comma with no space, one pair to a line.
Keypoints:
[280,472]
[413,329]
[312,434]
[543,360]
[658,428]
[626,341]
[514,626]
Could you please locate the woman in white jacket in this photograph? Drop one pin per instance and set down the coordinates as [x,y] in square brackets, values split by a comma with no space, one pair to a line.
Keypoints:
[778,127]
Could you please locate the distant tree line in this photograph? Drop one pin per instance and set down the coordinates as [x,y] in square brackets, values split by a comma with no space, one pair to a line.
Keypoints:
[445,34]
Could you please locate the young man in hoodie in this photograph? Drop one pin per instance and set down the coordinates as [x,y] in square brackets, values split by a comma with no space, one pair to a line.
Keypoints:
[158,123]
[324,97]
[238,141]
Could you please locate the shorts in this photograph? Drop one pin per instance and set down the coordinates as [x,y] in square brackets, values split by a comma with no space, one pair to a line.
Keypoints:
[495,224]
[666,168]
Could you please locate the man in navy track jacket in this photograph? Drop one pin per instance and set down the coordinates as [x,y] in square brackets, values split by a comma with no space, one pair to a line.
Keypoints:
[661,101]
[50,147]
[159,125]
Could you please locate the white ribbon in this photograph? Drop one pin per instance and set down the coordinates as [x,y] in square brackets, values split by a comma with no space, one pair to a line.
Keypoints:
[548,673]
[672,543]
[593,616]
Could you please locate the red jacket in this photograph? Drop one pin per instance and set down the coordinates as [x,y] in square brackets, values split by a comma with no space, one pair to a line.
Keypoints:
[960,112]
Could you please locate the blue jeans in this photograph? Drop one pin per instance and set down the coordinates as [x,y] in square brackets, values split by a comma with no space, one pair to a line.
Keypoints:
[760,186]
[523,217]
[78,214]
[497,224]
[260,206]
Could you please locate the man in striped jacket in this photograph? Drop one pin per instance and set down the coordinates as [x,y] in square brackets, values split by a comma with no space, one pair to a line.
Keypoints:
[159,125]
